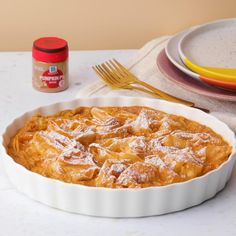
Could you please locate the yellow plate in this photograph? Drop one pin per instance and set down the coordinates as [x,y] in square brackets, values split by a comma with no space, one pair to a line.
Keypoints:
[227,74]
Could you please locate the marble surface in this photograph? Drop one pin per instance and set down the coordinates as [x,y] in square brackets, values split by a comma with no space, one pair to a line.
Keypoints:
[22,216]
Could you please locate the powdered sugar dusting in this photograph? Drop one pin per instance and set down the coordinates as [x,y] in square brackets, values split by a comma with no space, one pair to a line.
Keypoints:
[113,147]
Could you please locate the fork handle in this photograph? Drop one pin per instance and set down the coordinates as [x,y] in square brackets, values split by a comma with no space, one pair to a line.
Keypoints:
[157,96]
[164,95]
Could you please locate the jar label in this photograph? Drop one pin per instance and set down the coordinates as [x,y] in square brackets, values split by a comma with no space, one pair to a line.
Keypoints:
[53,77]
[50,77]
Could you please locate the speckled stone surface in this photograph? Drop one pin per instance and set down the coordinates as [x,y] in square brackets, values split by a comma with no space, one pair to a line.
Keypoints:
[22,216]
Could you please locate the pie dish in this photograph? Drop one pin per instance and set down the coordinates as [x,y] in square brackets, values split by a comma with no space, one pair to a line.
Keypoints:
[120,202]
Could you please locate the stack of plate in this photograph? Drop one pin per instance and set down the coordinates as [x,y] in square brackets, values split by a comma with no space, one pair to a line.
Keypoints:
[203,59]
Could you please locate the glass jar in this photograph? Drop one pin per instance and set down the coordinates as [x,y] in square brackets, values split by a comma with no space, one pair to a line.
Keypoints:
[50,64]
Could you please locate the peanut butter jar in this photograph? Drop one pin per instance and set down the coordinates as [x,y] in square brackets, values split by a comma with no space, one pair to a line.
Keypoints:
[50,64]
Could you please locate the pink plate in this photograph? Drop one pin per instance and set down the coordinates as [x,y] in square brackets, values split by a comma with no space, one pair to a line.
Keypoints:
[185,81]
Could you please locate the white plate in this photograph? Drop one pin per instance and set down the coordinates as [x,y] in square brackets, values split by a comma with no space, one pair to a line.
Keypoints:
[173,54]
[211,45]
[119,202]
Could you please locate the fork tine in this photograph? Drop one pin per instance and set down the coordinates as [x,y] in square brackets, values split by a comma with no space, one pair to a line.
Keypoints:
[115,71]
[103,65]
[109,65]
[124,77]
[112,68]
[115,62]
[97,71]
[112,75]
[106,71]
[107,78]
[119,69]
[100,73]
[106,75]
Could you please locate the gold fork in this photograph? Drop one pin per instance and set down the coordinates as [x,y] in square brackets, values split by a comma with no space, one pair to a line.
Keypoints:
[117,76]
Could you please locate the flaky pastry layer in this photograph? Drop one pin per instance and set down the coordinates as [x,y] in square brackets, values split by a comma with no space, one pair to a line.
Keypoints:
[118,147]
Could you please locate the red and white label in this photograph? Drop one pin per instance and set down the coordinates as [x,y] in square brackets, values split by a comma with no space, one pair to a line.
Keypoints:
[53,77]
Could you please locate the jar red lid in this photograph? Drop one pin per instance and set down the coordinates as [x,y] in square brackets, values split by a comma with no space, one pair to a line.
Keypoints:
[50,49]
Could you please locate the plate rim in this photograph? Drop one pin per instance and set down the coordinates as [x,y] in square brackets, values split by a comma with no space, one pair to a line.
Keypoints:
[222,97]
[191,63]
[186,70]
[169,54]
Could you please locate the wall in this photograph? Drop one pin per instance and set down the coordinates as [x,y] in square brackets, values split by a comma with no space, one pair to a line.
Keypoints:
[103,24]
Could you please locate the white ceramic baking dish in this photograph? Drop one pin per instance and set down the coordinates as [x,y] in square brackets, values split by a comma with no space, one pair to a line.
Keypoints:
[119,202]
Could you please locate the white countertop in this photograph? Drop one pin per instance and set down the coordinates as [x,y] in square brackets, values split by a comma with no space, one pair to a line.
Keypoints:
[22,216]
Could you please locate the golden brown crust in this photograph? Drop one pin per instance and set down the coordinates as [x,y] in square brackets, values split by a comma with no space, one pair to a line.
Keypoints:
[118,147]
